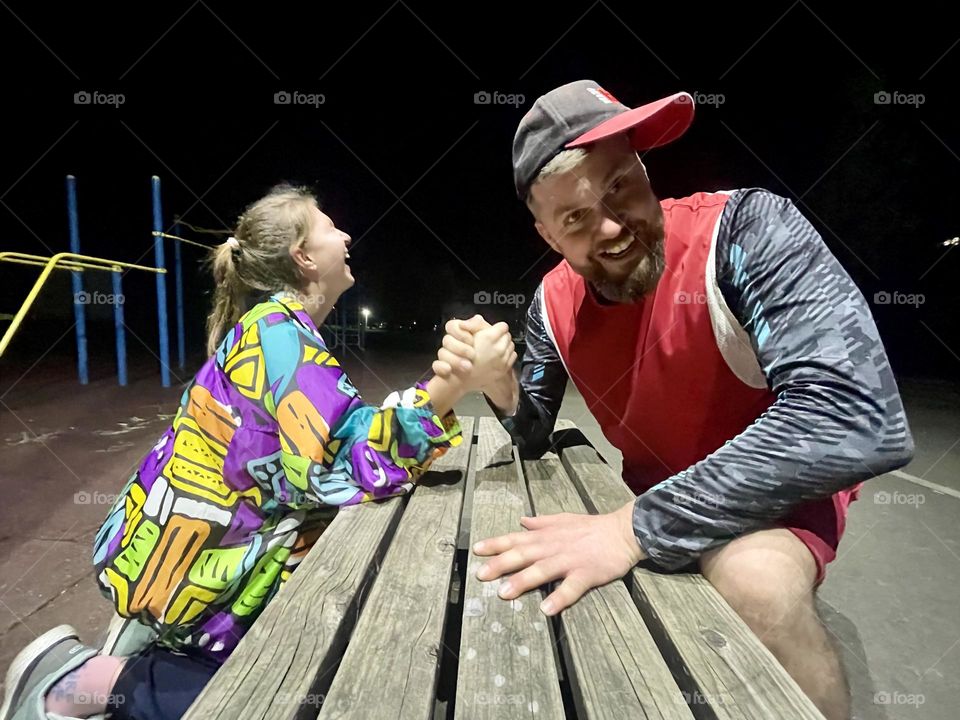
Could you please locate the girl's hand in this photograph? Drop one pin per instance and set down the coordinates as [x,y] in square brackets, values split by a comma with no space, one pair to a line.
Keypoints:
[475,353]
[455,357]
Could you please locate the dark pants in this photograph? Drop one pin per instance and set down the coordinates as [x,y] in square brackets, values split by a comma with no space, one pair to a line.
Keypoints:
[158,684]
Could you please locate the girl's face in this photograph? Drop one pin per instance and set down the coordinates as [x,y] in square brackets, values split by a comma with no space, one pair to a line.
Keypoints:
[323,255]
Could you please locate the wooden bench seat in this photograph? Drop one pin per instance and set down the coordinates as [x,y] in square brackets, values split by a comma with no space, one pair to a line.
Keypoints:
[385,617]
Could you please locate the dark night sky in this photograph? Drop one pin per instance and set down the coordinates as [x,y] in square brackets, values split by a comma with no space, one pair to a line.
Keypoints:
[879,181]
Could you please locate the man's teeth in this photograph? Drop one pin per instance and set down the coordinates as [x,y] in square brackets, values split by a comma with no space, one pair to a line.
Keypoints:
[619,247]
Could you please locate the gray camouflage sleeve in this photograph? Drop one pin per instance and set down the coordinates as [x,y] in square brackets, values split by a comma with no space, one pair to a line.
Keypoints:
[543,381]
[838,418]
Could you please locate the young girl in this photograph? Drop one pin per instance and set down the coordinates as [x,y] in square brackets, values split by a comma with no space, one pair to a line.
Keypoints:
[270,439]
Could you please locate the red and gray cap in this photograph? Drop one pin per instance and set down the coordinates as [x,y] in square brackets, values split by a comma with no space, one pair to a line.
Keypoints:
[581,113]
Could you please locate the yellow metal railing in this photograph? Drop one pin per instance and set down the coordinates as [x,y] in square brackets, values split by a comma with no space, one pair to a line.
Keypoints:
[64,261]
[28,259]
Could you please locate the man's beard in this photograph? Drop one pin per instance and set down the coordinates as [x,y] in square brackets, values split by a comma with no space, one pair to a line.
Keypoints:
[642,279]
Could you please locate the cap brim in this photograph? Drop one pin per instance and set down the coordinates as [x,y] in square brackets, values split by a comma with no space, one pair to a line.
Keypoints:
[648,126]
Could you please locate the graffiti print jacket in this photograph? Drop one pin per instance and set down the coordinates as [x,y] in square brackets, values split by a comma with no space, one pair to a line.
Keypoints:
[270,439]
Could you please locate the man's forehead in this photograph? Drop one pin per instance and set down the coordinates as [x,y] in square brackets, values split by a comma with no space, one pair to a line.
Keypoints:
[565,191]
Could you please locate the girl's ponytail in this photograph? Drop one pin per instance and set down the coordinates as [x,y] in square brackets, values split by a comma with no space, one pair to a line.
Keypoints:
[257,260]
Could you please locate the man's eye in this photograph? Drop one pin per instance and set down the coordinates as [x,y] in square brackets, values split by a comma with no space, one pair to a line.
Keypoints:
[574,217]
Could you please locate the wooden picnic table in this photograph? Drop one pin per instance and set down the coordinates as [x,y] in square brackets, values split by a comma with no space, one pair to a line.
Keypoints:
[385,617]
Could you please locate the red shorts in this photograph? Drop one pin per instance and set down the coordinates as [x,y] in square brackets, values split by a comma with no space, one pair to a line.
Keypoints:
[820,525]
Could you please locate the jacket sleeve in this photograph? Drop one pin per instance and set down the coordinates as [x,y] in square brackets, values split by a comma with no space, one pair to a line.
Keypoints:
[335,448]
[838,418]
[543,381]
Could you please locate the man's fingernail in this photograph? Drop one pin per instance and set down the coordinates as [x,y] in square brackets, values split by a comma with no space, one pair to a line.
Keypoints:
[546,607]
[478,546]
[481,572]
[505,589]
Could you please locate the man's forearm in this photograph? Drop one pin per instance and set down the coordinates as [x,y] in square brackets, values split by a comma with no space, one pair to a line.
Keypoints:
[505,394]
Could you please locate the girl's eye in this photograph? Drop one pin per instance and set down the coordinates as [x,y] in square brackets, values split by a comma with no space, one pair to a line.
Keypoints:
[574,217]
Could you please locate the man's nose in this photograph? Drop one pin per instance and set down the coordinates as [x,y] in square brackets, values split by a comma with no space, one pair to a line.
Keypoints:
[610,227]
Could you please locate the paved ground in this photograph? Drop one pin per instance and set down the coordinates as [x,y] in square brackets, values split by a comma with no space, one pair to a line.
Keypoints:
[890,598]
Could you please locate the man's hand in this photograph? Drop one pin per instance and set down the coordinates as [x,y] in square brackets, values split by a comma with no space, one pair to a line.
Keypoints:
[585,550]
[476,353]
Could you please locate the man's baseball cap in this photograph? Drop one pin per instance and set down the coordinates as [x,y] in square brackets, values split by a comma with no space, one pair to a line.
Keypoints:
[581,113]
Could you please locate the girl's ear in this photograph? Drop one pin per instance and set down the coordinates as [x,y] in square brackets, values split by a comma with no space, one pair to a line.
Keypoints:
[300,257]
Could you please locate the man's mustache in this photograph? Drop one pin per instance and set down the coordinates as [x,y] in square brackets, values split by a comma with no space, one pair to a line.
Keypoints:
[645,234]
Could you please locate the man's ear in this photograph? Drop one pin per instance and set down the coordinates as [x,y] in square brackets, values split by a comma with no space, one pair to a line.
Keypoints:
[545,234]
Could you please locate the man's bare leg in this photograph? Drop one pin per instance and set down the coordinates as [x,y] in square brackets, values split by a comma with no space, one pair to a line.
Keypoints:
[767,578]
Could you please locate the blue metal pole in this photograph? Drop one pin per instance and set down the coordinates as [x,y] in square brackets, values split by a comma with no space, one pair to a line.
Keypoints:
[79,298]
[181,344]
[161,285]
[119,328]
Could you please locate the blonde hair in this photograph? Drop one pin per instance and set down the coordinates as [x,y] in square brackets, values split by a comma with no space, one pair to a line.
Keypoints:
[563,162]
[258,261]
[566,161]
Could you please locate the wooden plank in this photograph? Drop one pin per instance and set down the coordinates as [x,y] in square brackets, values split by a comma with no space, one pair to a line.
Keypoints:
[613,664]
[463,536]
[723,669]
[391,666]
[282,666]
[500,451]
[507,667]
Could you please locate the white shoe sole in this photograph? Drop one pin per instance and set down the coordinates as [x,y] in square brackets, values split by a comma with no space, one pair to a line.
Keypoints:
[23,663]
[113,634]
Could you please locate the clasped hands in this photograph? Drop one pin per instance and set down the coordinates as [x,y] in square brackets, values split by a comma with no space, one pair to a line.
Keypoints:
[476,354]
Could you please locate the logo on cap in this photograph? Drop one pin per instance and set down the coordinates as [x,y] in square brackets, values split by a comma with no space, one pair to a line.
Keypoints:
[602,95]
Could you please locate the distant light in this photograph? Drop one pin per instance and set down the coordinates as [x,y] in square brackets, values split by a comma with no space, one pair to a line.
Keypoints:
[951,242]
[365,312]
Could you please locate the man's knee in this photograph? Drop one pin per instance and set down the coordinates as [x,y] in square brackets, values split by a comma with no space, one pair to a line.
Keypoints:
[767,577]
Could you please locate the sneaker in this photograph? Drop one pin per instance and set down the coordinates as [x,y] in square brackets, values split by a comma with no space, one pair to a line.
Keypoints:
[127,636]
[37,668]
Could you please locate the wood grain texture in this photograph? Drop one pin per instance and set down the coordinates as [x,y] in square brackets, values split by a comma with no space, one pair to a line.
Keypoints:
[722,668]
[507,667]
[390,667]
[613,664]
[282,666]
